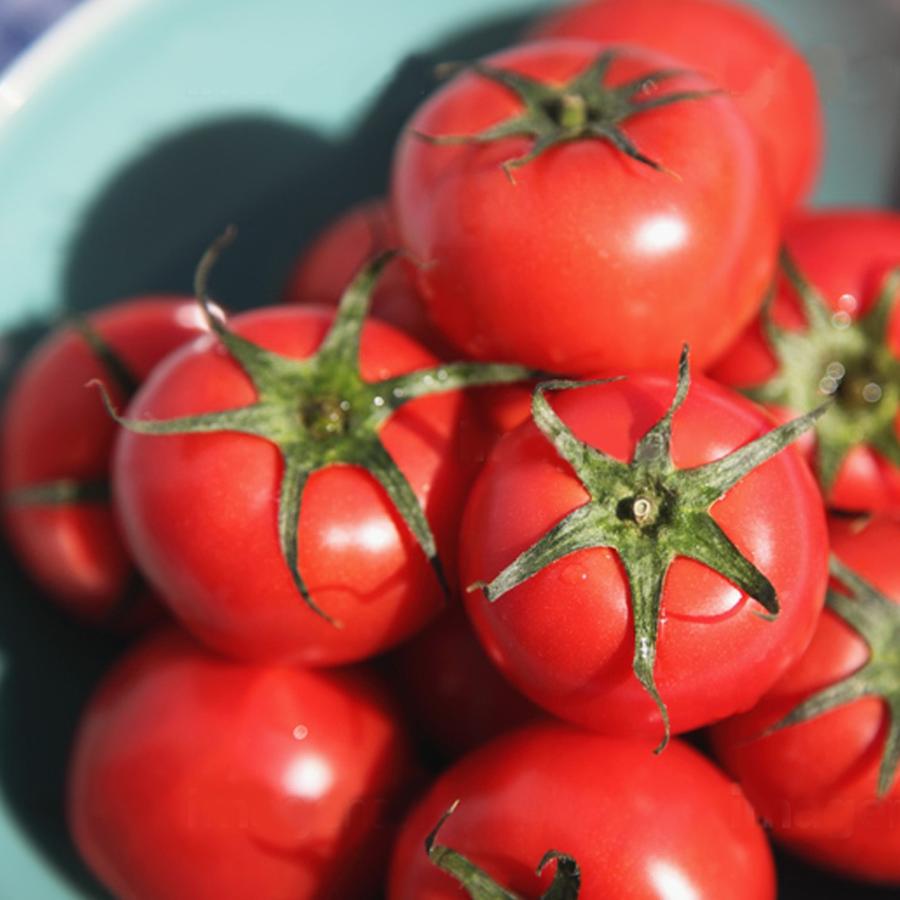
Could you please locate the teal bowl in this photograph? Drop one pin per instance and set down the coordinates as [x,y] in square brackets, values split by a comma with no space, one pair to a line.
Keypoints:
[137,128]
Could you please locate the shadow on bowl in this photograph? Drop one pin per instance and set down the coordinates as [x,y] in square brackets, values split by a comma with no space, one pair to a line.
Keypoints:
[280,183]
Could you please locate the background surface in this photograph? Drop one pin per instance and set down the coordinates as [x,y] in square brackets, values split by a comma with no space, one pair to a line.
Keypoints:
[21,21]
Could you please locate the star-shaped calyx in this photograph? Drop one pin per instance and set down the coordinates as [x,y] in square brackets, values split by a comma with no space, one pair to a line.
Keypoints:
[877,621]
[649,512]
[479,885]
[319,412]
[584,108]
[840,357]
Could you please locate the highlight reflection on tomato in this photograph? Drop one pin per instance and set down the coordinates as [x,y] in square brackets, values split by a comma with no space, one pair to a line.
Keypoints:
[842,341]
[56,447]
[817,782]
[640,826]
[193,776]
[590,261]
[201,511]
[566,635]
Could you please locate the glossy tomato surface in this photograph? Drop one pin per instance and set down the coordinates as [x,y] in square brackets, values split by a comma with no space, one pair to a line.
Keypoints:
[845,255]
[815,783]
[739,50]
[193,776]
[640,826]
[565,636]
[55,429]
[455,695]
[327,266]
[201,510]
[589,261]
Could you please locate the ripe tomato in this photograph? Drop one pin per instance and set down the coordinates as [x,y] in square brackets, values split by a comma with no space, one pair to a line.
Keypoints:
[739,50]
[456,697]
[591,260]
[574,635]
[844,340]
[638,825]
[193,776]
[201,511]
[327,265]
[55,454]
[817,782]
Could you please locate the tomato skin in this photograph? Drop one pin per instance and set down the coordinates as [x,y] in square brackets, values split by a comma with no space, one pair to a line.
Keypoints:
[55,427]
[200,511]
[328,265]
[739,50]
[504,407]
[455,696]
[639,825]
[815,783]
[565,636]
[845,253]
[193,776]
[546,271]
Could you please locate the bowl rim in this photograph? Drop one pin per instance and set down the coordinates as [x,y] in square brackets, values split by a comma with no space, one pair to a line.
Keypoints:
[62,42]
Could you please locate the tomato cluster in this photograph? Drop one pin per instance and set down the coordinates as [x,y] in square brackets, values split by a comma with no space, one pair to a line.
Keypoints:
[587,433]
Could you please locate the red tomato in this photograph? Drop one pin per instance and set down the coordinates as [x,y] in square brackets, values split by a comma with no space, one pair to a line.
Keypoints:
[55,433]
[456,697]
[327,265]
[639,826]
[845,255]
[565,637]
[201,510]
[503,408]
[590,261]
[193,776]
[816,782]
[762,71]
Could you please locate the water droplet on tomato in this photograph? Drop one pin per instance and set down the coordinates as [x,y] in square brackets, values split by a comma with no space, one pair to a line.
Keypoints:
[300,732]
[872,392]
[841,320]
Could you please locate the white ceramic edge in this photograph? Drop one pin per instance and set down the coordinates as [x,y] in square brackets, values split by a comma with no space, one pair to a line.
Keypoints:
[62,42]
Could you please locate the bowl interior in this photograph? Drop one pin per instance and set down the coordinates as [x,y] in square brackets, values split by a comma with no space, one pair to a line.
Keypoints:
[139,129]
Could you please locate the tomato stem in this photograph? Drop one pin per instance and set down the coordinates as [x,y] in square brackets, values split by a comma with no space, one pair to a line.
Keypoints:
[877,621]
[479,885]
[584,108]
[650,513]
[319,412]
[837,356]
[66,491]
[59,493]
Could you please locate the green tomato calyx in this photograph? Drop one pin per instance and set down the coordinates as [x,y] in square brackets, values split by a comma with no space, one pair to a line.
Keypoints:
[842,357]
[66,491]
[89,491]
[877,621]
[319,412]
[650,513]
[584,108]
[479,885]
